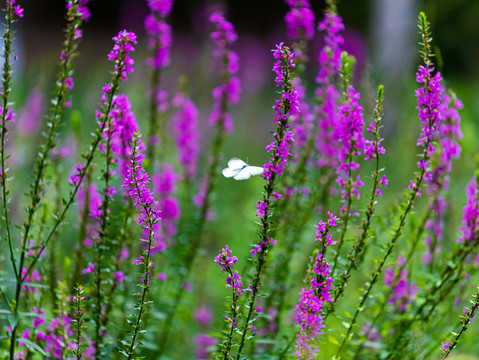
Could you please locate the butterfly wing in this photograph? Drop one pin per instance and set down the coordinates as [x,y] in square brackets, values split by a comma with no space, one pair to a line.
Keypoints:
[236,163]
[235,166]
[229,172]
[243,174]
[255,170]
[248,171]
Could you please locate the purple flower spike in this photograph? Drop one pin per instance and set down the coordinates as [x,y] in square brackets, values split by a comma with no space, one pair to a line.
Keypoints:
[135,183]
[280,148]
[299,19]
[120,53]
[327,144]
[353,144]
[470,219]
[159,33]
[229,91]
[225,260]
[187,135]
[313,299]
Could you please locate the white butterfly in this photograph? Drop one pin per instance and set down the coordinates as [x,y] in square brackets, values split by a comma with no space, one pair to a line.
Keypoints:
[239,170]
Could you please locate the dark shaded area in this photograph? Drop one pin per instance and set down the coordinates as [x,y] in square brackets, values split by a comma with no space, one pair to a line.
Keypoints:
[454,22]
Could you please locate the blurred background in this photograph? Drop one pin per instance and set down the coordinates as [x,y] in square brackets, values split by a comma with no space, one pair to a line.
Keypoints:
[381,34]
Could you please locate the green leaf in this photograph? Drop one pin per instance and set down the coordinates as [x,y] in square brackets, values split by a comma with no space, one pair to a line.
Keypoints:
[333,340]
[32,346]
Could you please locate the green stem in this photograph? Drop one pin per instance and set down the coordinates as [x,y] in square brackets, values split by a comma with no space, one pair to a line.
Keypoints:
[101,241]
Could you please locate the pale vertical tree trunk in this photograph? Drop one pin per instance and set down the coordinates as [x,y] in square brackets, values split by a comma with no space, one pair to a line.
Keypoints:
[394,44]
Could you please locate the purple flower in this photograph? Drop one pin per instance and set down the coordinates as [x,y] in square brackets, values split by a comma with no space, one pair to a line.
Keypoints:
[403,292]
[203,315]
[186,134]
[203,343]
[350,135]
[280,148]
[310,306]
[89,269]
[449,135]
[120,53]
[39,318]
[30,118]
[123,122]
[226,262]
[81,9]
[429,102]
[327,144]
[10,115]
[322,230]
[445,346]
[470,218]
[135,183]
[16,8]
[164,184]
[299,20]
[76,175]
[159,33]
[120,277]
[229,91]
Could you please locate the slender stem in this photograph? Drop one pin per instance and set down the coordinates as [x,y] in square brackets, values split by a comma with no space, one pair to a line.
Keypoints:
[234,312]
[71,43]
[153,114]
[148,266]
[7,68]
[357,250]
[197,236]
[83,229]
[265,224]
[391,246]
[397,276]
[465,322]
[101,241]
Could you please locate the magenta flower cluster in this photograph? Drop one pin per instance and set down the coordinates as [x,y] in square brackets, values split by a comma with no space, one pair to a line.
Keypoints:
[17,9]
[30,118]
[135,183]
[125,126]
[186,134]
[164,185]
[315,295]
[470,218]
[404,291]
[226,262]
[120,53]
[352,143]
[299,19]
[313,299]
[280,148]
[322,230]
[329,65]
[223,37]
[159,33]
[371,147]
[429,102]
[82,10]
[449,135]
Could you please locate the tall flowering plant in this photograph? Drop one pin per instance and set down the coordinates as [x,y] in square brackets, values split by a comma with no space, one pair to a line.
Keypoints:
[280,150]
[316,295]
[159,44]
[144,202]
[57,303]
[224,95]
[428,97]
